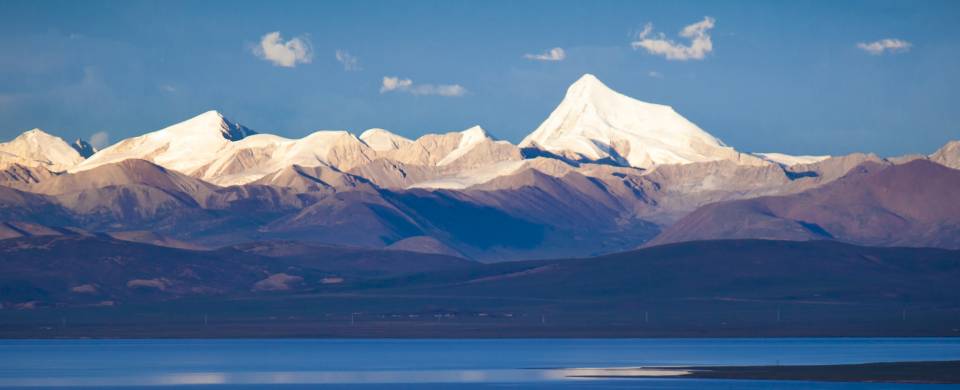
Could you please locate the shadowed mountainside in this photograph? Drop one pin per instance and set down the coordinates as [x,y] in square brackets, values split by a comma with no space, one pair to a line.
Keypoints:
[80,269]
[911,204]
[709,288]
[544,209]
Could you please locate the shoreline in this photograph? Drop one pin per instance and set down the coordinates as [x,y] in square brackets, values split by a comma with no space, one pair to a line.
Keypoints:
[924,372]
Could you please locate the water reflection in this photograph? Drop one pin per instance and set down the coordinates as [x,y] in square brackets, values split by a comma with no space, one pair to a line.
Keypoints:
[622,372]
[422,363]
[309,377]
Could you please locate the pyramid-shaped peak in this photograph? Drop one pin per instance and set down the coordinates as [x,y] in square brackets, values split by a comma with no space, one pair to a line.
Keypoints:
[213,120]
[211,114]
[948,155]
[39,148]
[596,123]
[588,79]
[383,140]
[590,84]
[475,131]
[589,90]
[37,139]
[36,133]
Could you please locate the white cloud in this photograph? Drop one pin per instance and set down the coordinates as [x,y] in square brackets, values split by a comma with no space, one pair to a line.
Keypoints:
[555,54]
[391,84]
[395,83]
[700,43]
[168,88]
[885,46]
[100,139]
[286,54]
[349,62]
[655,74]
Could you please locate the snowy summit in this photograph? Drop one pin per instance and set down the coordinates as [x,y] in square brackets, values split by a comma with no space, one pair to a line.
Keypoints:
[38,149]
[596,123]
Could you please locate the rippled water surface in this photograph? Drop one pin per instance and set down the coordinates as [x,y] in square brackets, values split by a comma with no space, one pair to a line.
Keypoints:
[524,363]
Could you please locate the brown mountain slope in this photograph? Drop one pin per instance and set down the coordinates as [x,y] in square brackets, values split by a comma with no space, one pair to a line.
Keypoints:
[82,270]
[724,288]
[124,173]
[16,205]
[546,208]
[314,179]
[719,270]
[913,204]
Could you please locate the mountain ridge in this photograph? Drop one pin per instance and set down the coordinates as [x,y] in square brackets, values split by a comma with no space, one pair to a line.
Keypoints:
[209,181]
[593,123]
[908,204]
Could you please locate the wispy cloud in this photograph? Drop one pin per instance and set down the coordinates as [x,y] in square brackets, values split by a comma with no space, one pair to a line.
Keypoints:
[286,54]
[655,74]
[100,139]
[168,88]
[391,84]
[697,33]
[888,45]
[555,54]
[349,62]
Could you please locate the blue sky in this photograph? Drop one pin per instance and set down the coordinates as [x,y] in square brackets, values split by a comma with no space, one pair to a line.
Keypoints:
[780,76]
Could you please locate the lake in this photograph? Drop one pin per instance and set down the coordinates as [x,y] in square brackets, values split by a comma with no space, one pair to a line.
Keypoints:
[365,363]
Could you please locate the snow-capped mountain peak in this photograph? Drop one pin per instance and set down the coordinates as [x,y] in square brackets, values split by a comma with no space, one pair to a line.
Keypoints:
[948,155]
[596,123]
[184,146]
[473,135]
[259,155]
[469,138]
[209,121]
[213,148]
[35,138]
[588,85]
[383,140]
[38,148]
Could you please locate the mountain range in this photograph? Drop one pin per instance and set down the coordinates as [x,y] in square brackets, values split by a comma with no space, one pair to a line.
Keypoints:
[603,173]
[615,217]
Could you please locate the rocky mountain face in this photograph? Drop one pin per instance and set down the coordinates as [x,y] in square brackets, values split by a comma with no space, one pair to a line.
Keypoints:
[603,173]
[910,204]
[948,155]
[83,148]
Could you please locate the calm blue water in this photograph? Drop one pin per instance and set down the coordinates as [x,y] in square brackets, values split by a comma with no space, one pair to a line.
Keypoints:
[525,363]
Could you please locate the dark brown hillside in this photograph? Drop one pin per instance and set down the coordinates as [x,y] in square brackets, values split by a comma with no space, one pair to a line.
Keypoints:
[281,289]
